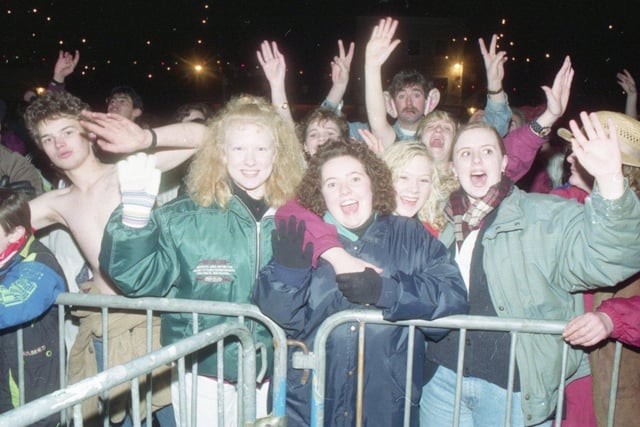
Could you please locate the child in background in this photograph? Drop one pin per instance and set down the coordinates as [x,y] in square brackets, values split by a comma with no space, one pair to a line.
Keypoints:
[30,281]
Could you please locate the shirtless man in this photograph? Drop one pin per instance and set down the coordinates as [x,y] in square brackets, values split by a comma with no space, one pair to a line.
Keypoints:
[84,207]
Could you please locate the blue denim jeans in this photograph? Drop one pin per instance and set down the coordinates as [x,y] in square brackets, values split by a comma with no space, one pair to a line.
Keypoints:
[482,404]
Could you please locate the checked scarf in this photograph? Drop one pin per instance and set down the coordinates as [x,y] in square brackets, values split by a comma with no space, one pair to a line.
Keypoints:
[467,217]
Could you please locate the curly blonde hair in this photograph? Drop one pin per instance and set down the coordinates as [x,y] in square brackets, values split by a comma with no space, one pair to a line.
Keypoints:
[442,183]
[309,193]
[208,181]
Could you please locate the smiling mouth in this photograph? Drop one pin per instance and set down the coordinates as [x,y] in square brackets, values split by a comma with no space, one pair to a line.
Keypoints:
[409,200]
[349,207]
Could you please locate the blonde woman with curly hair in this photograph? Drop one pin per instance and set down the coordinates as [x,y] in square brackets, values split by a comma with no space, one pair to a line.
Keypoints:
[210,243]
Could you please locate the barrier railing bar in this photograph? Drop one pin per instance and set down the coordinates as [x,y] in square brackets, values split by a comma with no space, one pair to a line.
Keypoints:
[511,377]
[409,375]
[203,307]
[74,394]
[149,379]
[614,383]
[461,322]
[459,368]
[62,360]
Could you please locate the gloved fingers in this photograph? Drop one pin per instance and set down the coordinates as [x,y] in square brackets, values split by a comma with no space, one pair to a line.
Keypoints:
[281,230]
[138,172]
[307,254]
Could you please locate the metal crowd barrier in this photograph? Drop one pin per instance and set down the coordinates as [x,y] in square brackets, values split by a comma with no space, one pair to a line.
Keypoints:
[316,360]
[163,305]
[74,395]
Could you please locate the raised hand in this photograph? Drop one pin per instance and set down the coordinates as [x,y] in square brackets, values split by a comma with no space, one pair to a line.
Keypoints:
[374,143]
[139,183]
[493,63]
[341,64]
[272,62]
[626,81]
[65,65]
[380,44]
[598,152]
[288,247]
[114,133]
[558,94]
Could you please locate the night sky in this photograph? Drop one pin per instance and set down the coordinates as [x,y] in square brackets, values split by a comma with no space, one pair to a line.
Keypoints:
[154,45]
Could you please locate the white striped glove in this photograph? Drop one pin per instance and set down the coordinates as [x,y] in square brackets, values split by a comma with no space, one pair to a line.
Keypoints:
[139,183]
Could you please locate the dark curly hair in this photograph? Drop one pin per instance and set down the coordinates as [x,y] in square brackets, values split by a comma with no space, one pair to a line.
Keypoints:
[52,105]
[309,192]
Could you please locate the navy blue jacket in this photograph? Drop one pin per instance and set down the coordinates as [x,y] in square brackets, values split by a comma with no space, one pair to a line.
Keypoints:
[420,281]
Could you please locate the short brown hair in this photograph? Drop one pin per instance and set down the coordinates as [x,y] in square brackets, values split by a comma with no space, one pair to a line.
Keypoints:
[52,105]
[323,115]
[309,193]
[14,211]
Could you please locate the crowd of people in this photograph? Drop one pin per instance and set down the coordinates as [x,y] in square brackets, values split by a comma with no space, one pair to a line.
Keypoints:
[416,212]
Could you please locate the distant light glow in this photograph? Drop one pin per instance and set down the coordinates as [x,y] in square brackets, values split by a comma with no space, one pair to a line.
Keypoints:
[198,68]
[40,90]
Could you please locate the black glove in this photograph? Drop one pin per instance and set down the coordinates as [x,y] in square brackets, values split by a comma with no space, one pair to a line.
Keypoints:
[23,187]
[287,242]
[364,287]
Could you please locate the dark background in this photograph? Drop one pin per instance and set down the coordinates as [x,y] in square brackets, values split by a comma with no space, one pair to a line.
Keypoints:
[153,45]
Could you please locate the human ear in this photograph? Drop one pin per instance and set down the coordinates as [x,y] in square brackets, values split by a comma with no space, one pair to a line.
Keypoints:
[390,105]
[433,99]
[505,161]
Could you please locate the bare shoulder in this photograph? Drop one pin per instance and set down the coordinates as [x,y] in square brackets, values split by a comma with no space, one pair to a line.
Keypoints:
[46,208]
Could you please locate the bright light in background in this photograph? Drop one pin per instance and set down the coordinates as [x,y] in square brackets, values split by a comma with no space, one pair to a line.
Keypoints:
[40,90]
[198,68]
[471,110]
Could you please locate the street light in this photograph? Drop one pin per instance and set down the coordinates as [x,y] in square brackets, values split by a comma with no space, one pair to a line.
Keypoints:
[458,69]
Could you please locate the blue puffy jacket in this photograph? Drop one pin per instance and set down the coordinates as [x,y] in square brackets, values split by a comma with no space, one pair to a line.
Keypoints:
[419,282]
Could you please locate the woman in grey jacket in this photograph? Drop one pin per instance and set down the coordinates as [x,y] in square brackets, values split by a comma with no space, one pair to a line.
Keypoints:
[524,255]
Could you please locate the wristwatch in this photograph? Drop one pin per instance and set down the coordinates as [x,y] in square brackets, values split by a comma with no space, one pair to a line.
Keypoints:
[538,129]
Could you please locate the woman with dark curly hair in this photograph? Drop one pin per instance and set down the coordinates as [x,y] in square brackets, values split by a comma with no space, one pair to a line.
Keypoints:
[351,188]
